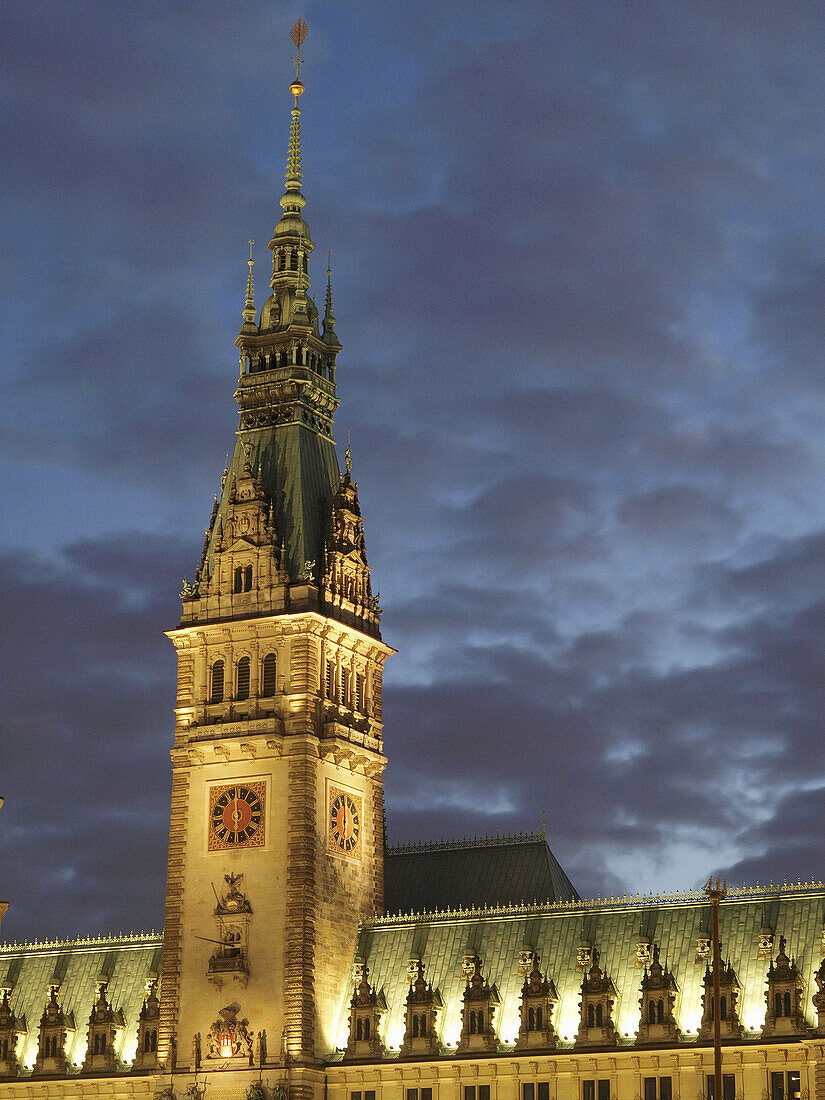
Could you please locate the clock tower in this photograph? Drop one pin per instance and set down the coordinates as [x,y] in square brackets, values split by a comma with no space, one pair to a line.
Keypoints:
[276,837]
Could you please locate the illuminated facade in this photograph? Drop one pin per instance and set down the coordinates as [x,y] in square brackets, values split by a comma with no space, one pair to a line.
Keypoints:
[302,959]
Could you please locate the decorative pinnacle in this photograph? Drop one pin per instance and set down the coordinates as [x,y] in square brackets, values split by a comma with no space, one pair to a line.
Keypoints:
[329,316]
[249,306]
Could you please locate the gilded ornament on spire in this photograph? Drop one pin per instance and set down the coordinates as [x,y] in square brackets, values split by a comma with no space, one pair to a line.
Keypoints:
[249,305]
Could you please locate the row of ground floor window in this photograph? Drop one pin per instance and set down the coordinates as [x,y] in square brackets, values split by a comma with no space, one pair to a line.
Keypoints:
[782,1085]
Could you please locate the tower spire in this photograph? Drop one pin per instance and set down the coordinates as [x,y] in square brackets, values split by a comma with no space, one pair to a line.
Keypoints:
[249,305]
[292,199]
[291,234]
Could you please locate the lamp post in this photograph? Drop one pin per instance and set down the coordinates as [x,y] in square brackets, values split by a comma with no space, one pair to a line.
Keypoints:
[715,893]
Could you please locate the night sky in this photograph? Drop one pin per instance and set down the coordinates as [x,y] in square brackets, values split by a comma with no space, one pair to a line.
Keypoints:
[579,255]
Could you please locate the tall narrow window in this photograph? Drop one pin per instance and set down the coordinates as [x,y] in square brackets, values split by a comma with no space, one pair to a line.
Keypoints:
[344,686]
[268,679]
[329,680]
[247,579]
[358,705]
[243,679]
[238,586]
[216,695]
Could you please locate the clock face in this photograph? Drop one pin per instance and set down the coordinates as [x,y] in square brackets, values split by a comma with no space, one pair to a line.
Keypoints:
[345,818]
[236,816]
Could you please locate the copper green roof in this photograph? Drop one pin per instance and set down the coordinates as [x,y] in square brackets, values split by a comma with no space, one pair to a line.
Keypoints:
[493,871]
[615,928]
[126,962]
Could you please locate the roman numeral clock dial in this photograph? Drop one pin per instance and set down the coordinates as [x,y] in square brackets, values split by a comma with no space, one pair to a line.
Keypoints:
[344,821]
[236,816]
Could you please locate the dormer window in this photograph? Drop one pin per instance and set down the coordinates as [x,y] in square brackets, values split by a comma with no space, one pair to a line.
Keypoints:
[243,578]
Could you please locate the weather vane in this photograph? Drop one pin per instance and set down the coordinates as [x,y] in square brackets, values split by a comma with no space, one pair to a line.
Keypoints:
[298,34]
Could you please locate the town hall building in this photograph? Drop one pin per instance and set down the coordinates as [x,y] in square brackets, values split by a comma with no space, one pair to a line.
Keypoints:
[303,959]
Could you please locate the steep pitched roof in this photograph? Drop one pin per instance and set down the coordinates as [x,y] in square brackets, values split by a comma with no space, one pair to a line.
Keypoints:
[616,928]
[126,962]
[490,871]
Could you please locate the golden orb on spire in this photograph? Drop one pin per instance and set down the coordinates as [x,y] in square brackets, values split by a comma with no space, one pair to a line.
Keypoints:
[298,34]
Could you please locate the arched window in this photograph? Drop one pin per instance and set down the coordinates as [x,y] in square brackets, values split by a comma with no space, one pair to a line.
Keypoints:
[281,260]
[778,1003]
[238,586]
[531,1020]
[651,1012]
[216,695]
[268,678]
[293,260]
[154,1040]
[598,1015]
[359,1029]
[415,1026]
[660,1012]
[787,1004]
[147,1042]
[366,1027]
[723,1007]
[539,1019]
[232,944]
[243,679]
[591,1016]
[247,579]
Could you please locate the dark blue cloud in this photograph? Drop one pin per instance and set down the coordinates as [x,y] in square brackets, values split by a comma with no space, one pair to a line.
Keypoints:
[578,278]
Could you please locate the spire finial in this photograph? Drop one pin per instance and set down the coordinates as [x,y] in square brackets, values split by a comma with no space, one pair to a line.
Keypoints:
[544,824]
[293,163]
[348,455]
[249,305]
[298,34]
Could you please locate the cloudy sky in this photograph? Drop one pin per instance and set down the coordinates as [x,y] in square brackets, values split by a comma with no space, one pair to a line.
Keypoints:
[579,255]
